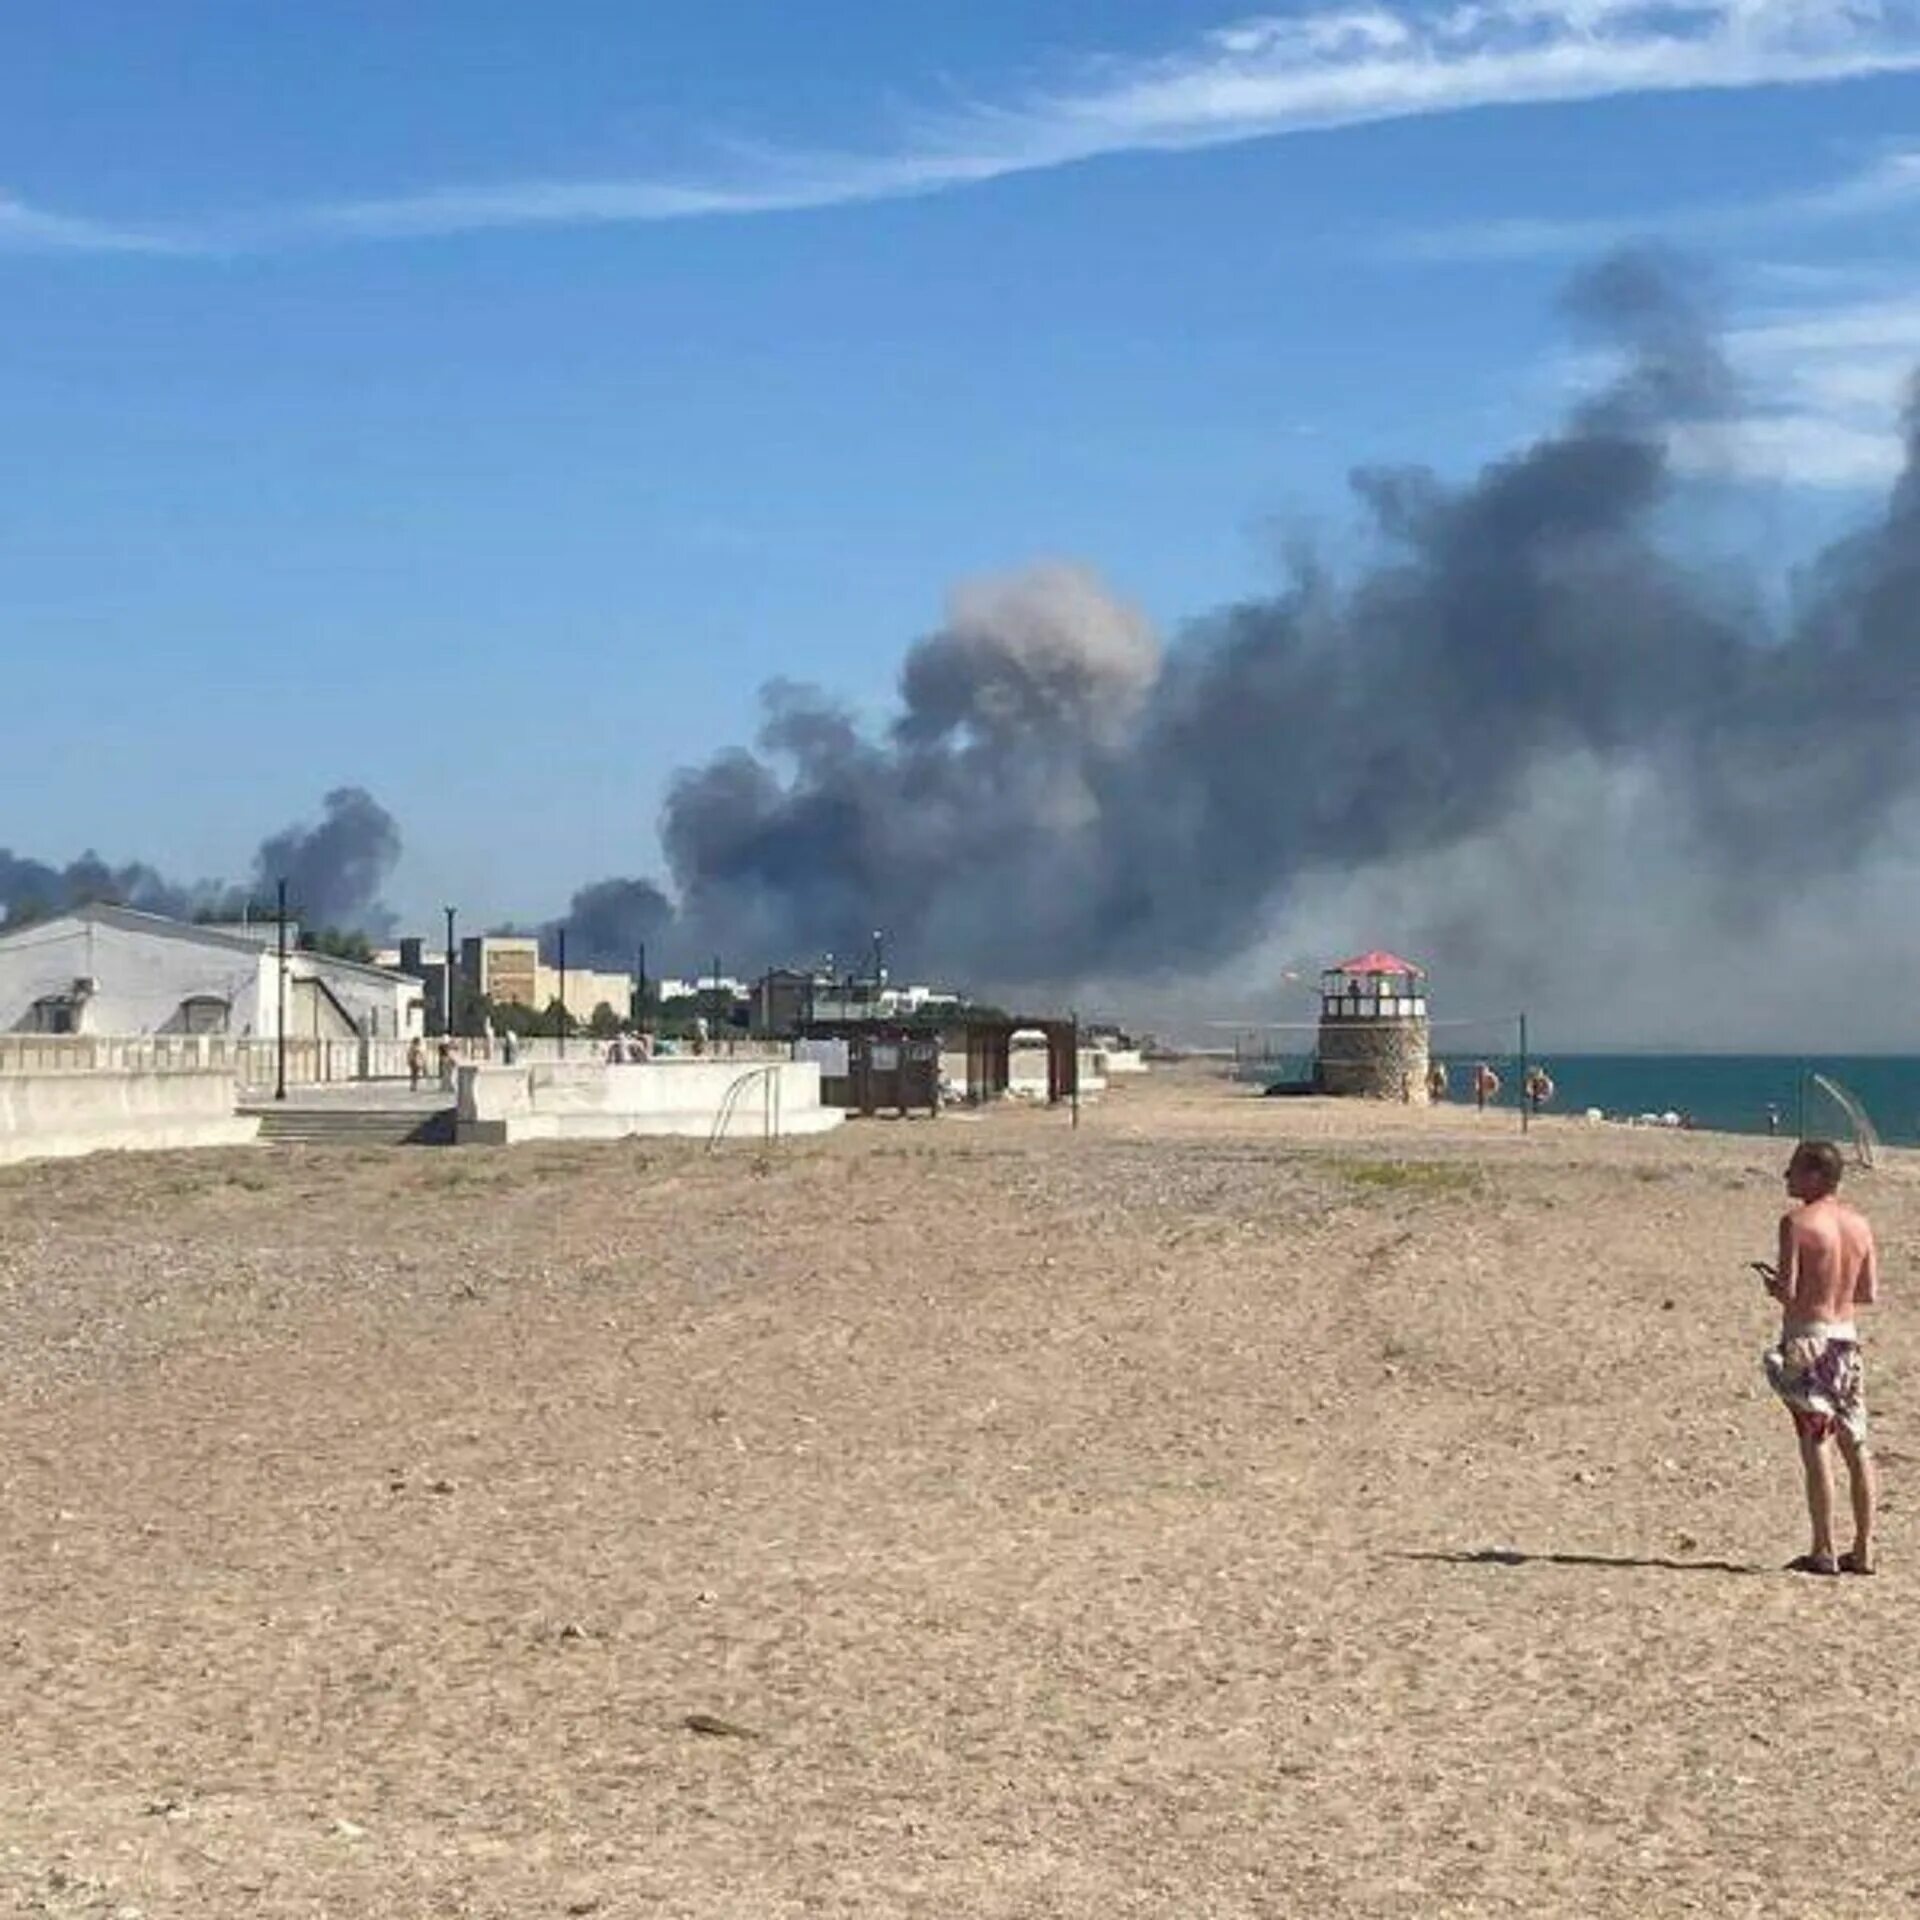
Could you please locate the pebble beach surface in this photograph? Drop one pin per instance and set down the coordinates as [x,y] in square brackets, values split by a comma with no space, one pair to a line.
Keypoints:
[972,1517]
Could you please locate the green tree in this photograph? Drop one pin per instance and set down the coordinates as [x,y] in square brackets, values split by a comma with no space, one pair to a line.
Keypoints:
[338,943]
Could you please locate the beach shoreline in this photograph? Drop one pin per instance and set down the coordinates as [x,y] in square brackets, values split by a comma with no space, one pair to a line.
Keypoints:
[385,1526]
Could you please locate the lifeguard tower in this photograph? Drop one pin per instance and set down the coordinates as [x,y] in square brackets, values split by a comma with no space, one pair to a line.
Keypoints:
[1374,1038]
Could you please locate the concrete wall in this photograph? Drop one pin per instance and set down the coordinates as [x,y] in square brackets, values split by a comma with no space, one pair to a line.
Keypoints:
[1027,1072]
[588,1100]
[254,1063]
[54,1115]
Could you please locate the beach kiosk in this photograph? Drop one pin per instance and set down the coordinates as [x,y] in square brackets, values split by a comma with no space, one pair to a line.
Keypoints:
[1374,1039]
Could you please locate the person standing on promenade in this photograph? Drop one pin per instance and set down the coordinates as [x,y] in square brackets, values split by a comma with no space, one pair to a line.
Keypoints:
[1827,1267]
[416,1063]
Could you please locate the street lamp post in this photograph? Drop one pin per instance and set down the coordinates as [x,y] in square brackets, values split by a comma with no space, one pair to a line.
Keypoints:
[563,993]
[280,1017]
[446,985]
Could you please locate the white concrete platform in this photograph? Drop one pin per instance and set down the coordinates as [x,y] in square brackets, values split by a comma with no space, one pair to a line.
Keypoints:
[52,1116]
[591,1100]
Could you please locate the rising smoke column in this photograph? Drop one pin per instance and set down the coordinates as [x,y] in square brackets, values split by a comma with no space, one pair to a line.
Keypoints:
[608,922]
[335,869]
[973,827]
[1057,800]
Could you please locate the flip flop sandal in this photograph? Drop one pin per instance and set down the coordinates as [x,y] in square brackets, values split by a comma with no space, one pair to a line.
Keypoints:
[1851,1563]
[1823,1564]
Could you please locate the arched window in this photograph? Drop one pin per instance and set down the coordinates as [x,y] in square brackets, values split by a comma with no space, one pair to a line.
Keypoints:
[204,1013]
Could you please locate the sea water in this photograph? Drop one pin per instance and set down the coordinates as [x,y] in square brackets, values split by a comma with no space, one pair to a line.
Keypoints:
[1729,1092]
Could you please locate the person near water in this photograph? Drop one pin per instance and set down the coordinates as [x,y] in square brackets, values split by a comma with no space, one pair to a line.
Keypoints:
[1486,1085]
[416,1063]
[1437,1080]
[1539,1087]
[1773,1119]
[1827,1268]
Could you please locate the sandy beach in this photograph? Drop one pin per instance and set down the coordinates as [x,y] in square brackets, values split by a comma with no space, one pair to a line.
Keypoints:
[1024,1537]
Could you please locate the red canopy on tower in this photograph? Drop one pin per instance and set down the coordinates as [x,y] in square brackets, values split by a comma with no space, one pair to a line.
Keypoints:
[1379,962]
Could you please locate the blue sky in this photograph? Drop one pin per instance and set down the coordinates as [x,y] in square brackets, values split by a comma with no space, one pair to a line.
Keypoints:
[478,402]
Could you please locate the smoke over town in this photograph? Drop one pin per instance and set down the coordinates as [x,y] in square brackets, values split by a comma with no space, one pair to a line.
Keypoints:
[334,869]
[1530,723]
[1530,743]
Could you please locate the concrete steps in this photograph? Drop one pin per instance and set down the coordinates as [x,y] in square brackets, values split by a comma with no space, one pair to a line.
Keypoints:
[355,1126]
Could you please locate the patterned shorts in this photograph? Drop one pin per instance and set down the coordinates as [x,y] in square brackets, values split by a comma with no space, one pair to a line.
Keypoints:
[1823,1381]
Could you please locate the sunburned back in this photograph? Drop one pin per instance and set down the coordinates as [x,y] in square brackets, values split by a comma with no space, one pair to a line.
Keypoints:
[1832,1261]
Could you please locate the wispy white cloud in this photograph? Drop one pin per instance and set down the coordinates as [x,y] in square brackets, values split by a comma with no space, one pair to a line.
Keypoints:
[1811,336]
[25,229]
[1259,78]
[1821,389]
[1799,449]
[1827,388]
[1890,183]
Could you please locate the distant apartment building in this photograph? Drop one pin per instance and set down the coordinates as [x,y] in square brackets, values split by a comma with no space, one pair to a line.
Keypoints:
[507,971]
[505,968]
[587,991]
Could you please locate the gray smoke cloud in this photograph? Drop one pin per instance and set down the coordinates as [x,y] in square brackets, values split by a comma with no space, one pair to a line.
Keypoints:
[609,921]
[1530,726]
[334,870]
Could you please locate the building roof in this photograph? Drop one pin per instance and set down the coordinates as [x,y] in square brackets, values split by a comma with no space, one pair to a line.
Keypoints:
[1378,960]
[158,926]
[102,913]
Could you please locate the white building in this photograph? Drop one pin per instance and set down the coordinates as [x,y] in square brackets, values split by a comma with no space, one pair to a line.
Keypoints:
[109,970]
[853,1000]
[659,991]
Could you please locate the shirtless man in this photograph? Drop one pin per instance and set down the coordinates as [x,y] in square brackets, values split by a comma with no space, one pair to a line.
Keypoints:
[1827,1268]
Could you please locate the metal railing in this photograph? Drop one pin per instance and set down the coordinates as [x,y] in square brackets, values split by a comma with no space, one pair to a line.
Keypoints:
[769,1076]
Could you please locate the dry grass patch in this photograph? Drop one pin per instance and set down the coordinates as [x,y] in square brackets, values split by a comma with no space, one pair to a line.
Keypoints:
[1434,1177]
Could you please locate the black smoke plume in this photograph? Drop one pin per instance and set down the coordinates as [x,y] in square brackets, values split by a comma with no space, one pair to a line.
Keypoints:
[1058,801]
[609,921]
[334,871]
